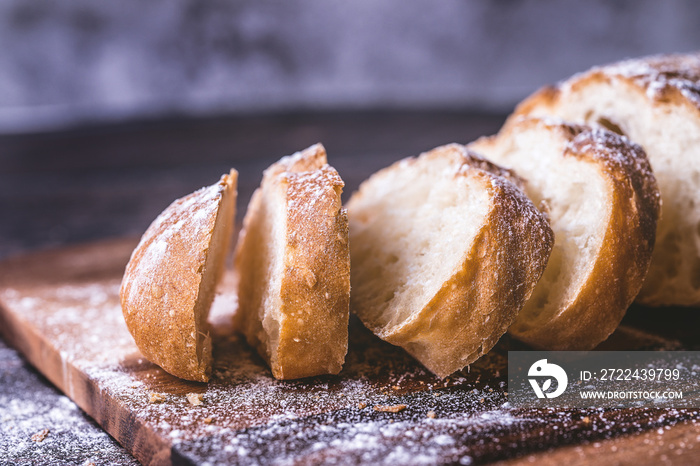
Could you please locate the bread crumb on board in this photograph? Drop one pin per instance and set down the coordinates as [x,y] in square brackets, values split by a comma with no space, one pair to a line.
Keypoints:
[195,399]
[390,409]
[362,405]
[431,414]
[156,398]
[40,436]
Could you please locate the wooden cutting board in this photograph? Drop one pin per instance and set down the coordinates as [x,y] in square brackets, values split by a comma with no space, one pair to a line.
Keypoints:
[61,310]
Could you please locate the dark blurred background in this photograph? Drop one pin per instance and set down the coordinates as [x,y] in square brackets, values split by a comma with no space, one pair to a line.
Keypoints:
[80,61]
[109,110]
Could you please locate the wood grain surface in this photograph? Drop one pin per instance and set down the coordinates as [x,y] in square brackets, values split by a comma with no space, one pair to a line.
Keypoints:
[60,309]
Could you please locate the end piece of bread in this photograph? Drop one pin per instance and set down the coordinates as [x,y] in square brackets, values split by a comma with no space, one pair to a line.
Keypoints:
[292,268]
[445,251]
[655,101]
[170,281]
[603,205]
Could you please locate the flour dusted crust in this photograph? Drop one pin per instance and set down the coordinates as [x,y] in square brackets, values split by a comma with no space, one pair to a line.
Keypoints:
[603,205]
[444,252]
[292,268]
[655,101]
[170,280]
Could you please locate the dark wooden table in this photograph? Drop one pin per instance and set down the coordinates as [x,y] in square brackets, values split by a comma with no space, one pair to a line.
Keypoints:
[109,181]
[102,181]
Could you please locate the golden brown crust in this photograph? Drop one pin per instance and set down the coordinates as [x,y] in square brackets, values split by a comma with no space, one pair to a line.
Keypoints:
[475,307]
[673,79]
[620,266]
[315,286]
[656,102]
[162,293]
[544,97]
[618,272]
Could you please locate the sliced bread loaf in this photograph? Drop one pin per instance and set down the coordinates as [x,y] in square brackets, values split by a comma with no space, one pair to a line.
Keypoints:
[654,101]
[445,251]
[603,204]
[169,283]
[292,268]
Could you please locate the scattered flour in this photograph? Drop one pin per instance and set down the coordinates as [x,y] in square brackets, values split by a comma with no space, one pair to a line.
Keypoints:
[246,416]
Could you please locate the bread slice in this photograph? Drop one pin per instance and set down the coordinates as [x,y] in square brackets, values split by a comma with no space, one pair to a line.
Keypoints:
[654,101]
[170,281]
[292,268]
[603,205]
[445,251]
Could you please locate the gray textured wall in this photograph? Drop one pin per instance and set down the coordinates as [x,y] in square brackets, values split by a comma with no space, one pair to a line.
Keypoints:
[66,61]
